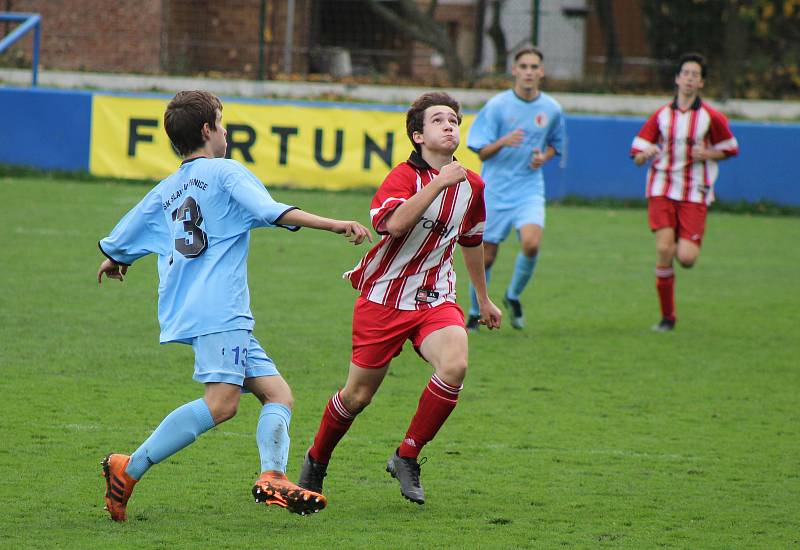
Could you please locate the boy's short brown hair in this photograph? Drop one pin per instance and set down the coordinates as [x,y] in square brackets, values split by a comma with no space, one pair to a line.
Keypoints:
[185,116]
[529,49]
[415,117]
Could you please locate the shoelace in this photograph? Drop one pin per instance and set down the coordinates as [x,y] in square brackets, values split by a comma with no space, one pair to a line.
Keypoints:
[414,467]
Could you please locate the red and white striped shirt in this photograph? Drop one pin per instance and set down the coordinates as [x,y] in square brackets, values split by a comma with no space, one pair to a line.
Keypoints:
[674,173]
[415,271]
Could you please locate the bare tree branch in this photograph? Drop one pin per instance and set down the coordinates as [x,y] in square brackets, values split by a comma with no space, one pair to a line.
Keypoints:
[414,31]
[498,37]
[605,14]
[421,26]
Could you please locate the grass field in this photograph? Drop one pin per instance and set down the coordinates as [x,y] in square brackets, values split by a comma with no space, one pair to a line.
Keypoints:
[584,431]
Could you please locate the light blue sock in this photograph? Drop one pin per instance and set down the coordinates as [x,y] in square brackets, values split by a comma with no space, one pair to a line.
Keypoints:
[272,436]
[179,429]
[523,272]
[473,297]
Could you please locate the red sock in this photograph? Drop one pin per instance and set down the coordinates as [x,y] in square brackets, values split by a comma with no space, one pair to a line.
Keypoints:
[436,403]
[665,284]
[336,420]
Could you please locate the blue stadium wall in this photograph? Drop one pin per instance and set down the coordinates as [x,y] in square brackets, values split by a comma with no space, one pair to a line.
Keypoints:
[46,129]
[52,130]
[597,162]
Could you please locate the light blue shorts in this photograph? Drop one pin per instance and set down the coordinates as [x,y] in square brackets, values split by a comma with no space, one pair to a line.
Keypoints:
[230,357]
[500,222]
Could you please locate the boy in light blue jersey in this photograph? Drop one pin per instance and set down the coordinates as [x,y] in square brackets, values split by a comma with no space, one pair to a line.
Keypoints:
[198,222]
[515,133]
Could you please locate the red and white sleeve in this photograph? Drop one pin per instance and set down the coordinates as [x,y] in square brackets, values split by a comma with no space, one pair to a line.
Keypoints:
[647,136]
[722,139]
[475,217]
[399,185]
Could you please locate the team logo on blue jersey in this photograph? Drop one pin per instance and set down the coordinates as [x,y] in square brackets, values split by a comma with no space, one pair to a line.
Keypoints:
[540,120]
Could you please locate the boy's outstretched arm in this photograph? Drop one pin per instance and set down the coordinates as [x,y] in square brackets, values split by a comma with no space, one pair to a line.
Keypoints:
[473,260]
[354,231]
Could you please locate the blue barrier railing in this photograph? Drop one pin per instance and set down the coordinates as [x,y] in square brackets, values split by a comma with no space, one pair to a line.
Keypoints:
[29,21]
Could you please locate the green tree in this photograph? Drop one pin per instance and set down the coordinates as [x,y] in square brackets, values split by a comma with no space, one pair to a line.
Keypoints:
[678,26]
[753,46]
[773,49]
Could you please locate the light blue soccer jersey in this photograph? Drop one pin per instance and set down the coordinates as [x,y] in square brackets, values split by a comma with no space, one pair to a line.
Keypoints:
[198,221]
[509,178]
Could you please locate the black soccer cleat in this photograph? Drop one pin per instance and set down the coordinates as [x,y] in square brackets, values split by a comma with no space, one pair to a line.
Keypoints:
[473,323]
[517,319]
[312,474]
[406,471]
[665,325]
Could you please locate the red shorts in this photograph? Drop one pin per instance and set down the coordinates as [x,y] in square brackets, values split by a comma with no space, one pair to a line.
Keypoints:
[687,218]
[379,331]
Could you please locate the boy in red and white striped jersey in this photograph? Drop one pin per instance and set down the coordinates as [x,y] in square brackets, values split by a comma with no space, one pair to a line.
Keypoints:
[423,208]
[684,139]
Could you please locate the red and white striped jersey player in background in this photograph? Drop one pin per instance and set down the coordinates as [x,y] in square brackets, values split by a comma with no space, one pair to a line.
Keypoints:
[684,140]
[424,207]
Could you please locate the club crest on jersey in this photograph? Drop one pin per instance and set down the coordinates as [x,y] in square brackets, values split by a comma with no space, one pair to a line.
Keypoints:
[437,226]
[540,120]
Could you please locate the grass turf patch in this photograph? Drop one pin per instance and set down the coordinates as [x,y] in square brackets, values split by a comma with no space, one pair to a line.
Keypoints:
[585,430]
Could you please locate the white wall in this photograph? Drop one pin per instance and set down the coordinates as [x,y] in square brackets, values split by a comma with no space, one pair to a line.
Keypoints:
[561,38]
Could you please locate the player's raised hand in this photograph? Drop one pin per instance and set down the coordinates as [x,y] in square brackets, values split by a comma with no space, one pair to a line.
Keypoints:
[491,316]
[112,270]
[452,174]
[353,231]
[513,138]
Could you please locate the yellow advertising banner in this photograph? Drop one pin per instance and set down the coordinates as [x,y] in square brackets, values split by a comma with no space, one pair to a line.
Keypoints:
[310,145]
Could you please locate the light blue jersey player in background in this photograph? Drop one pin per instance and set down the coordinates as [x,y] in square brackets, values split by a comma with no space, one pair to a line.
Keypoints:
[515,133]
[198,222]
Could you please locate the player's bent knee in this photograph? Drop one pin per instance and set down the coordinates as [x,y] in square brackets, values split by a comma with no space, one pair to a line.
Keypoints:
[687,262]
[284,397]
[665,250]
[453,373]
[277,393]
[489,254]
[361,402]
[287,401]
[687,258]
[221,412]
[530,250]
[356,401]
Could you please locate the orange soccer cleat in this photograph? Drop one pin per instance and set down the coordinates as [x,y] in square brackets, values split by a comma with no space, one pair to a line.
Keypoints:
[273,487]
[119,485]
